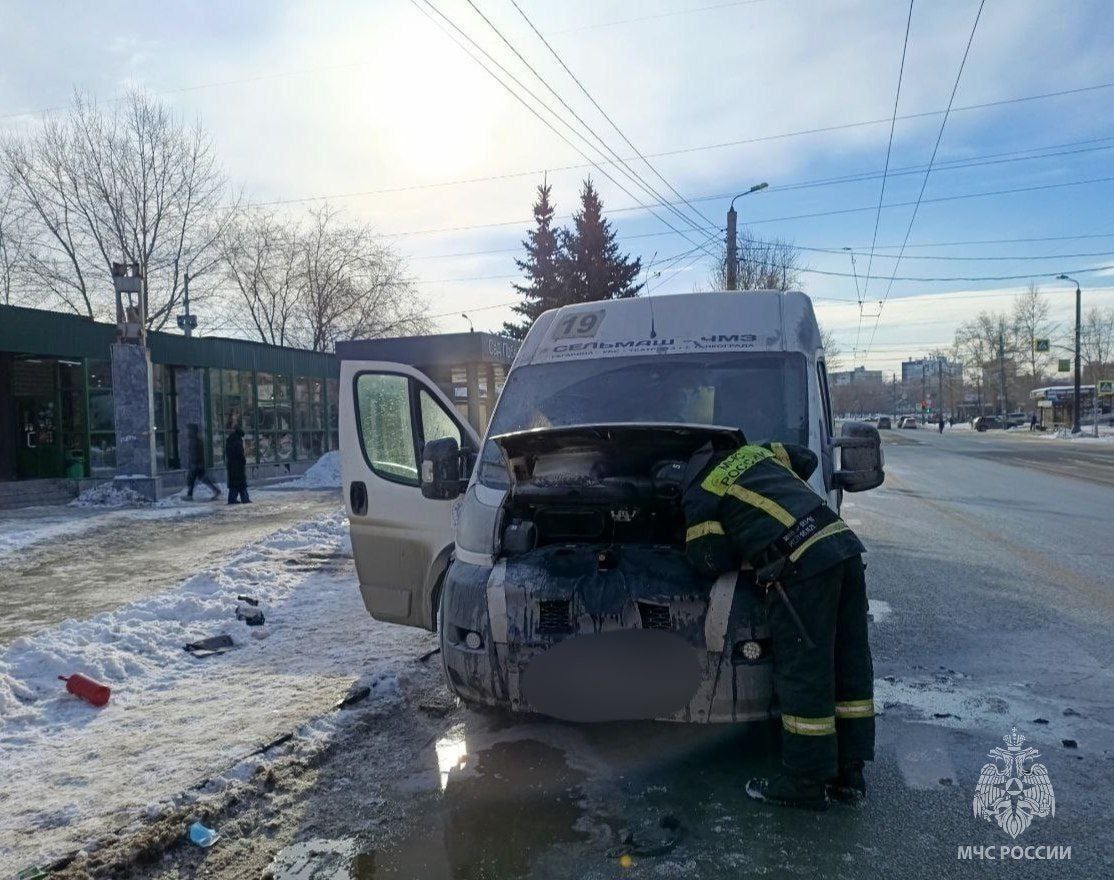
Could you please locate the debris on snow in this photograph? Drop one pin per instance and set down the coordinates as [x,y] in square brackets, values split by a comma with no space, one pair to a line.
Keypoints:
[202,836]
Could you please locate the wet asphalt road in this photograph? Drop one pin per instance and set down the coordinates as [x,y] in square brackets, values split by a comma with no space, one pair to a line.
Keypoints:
[990,575]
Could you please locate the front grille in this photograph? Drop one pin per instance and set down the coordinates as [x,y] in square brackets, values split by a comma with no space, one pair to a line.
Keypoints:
[654,616]
[553,616]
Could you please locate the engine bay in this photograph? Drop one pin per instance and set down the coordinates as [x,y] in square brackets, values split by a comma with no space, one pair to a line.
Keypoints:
[604,485]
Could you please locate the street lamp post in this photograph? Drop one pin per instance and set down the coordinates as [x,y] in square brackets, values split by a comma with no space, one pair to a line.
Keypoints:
[732,238]
[1075,429]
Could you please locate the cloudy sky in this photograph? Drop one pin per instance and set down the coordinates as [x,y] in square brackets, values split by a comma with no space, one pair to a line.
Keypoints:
[371,105]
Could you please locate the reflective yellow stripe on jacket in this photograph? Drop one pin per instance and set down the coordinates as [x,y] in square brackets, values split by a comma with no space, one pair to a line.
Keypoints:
[766,505]
[855,709]
[809,726]
[700,530]
[826,532]
[723,475]
[781,454]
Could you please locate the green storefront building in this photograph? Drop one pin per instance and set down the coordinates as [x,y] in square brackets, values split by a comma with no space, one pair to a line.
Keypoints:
[57,412]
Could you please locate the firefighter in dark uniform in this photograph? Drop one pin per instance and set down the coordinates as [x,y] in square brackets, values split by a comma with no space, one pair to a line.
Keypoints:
[753,506]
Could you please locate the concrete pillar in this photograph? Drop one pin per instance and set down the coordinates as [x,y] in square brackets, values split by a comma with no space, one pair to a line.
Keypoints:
[189,386]
[490,407]
[133,403]
[473,395]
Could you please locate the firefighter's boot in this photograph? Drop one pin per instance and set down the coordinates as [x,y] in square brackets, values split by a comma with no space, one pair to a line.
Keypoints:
[787,790]
[849,787]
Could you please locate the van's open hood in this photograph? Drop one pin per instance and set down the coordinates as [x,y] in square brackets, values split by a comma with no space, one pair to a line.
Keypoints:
[578,456]
[669,438]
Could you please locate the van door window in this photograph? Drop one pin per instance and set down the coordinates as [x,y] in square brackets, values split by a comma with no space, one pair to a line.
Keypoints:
[822,376]
[436,423]
[386,432]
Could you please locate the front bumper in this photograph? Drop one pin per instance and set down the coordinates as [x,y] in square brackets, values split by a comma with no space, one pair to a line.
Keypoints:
[633,634]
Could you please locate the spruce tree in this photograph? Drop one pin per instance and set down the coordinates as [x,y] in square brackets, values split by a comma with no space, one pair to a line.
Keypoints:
[543,288]
[591,266]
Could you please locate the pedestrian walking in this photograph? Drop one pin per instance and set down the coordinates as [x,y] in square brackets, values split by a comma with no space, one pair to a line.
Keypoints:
[940,423]
[237,463]
[195,463]
[753,506]
[1032,422]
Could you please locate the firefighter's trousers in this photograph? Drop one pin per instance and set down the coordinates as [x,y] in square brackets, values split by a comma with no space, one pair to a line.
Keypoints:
[826,691]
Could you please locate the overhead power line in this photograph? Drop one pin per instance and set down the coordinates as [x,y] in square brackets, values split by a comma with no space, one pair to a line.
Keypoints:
[1088,145]
[528,105]
[928,170]
[626,169]
[886,166]
[813,248]
[1008,258]
[669,14]
[812,214]
[1024,277]
[709,222]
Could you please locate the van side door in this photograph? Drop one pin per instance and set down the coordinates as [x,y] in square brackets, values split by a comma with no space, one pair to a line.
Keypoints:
[401,541]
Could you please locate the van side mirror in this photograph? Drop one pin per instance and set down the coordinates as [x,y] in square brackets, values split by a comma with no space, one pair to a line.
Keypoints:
[860,458]
[441,469]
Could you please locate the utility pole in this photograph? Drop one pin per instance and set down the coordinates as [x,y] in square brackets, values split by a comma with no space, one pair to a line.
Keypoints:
[924,392]
[1075,429]
[940,384]
[733,238]
[895,394]
[1005,399]
[186,322]
[732,249]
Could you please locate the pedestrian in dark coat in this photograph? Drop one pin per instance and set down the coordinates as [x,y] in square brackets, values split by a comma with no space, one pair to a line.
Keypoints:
[237,463]
[195,463]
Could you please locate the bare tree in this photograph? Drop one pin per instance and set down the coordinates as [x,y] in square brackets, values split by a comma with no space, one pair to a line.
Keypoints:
[262,263]
[311,284]
[58,248]
[764,264]
[131,184]
[1031,322]
[13,240]
[833,351]
[1096,341]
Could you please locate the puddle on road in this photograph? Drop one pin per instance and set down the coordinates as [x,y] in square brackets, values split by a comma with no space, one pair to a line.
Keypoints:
[547,800]
[496,812]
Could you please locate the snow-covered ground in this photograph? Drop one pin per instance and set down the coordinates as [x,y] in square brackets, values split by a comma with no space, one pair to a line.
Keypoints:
[1105,434]
[73,772]
[20,529]
[322,474]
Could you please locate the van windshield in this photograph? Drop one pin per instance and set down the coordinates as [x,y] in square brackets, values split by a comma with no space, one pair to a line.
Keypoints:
[764,394]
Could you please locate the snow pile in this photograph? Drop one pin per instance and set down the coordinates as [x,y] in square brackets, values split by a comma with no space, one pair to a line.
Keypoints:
[72,772]
[108,495]
[323,474]
[1106,434]
[201,492]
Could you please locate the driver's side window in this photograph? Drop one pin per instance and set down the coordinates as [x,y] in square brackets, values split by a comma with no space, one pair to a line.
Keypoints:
[386,431]
[436,423]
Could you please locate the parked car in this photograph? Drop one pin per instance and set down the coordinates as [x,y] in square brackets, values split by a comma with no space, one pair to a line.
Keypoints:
[1016,420]
[908,422]
[987,423]
[884,422]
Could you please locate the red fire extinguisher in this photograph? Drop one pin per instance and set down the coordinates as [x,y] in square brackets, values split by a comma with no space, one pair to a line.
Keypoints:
[87,689]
